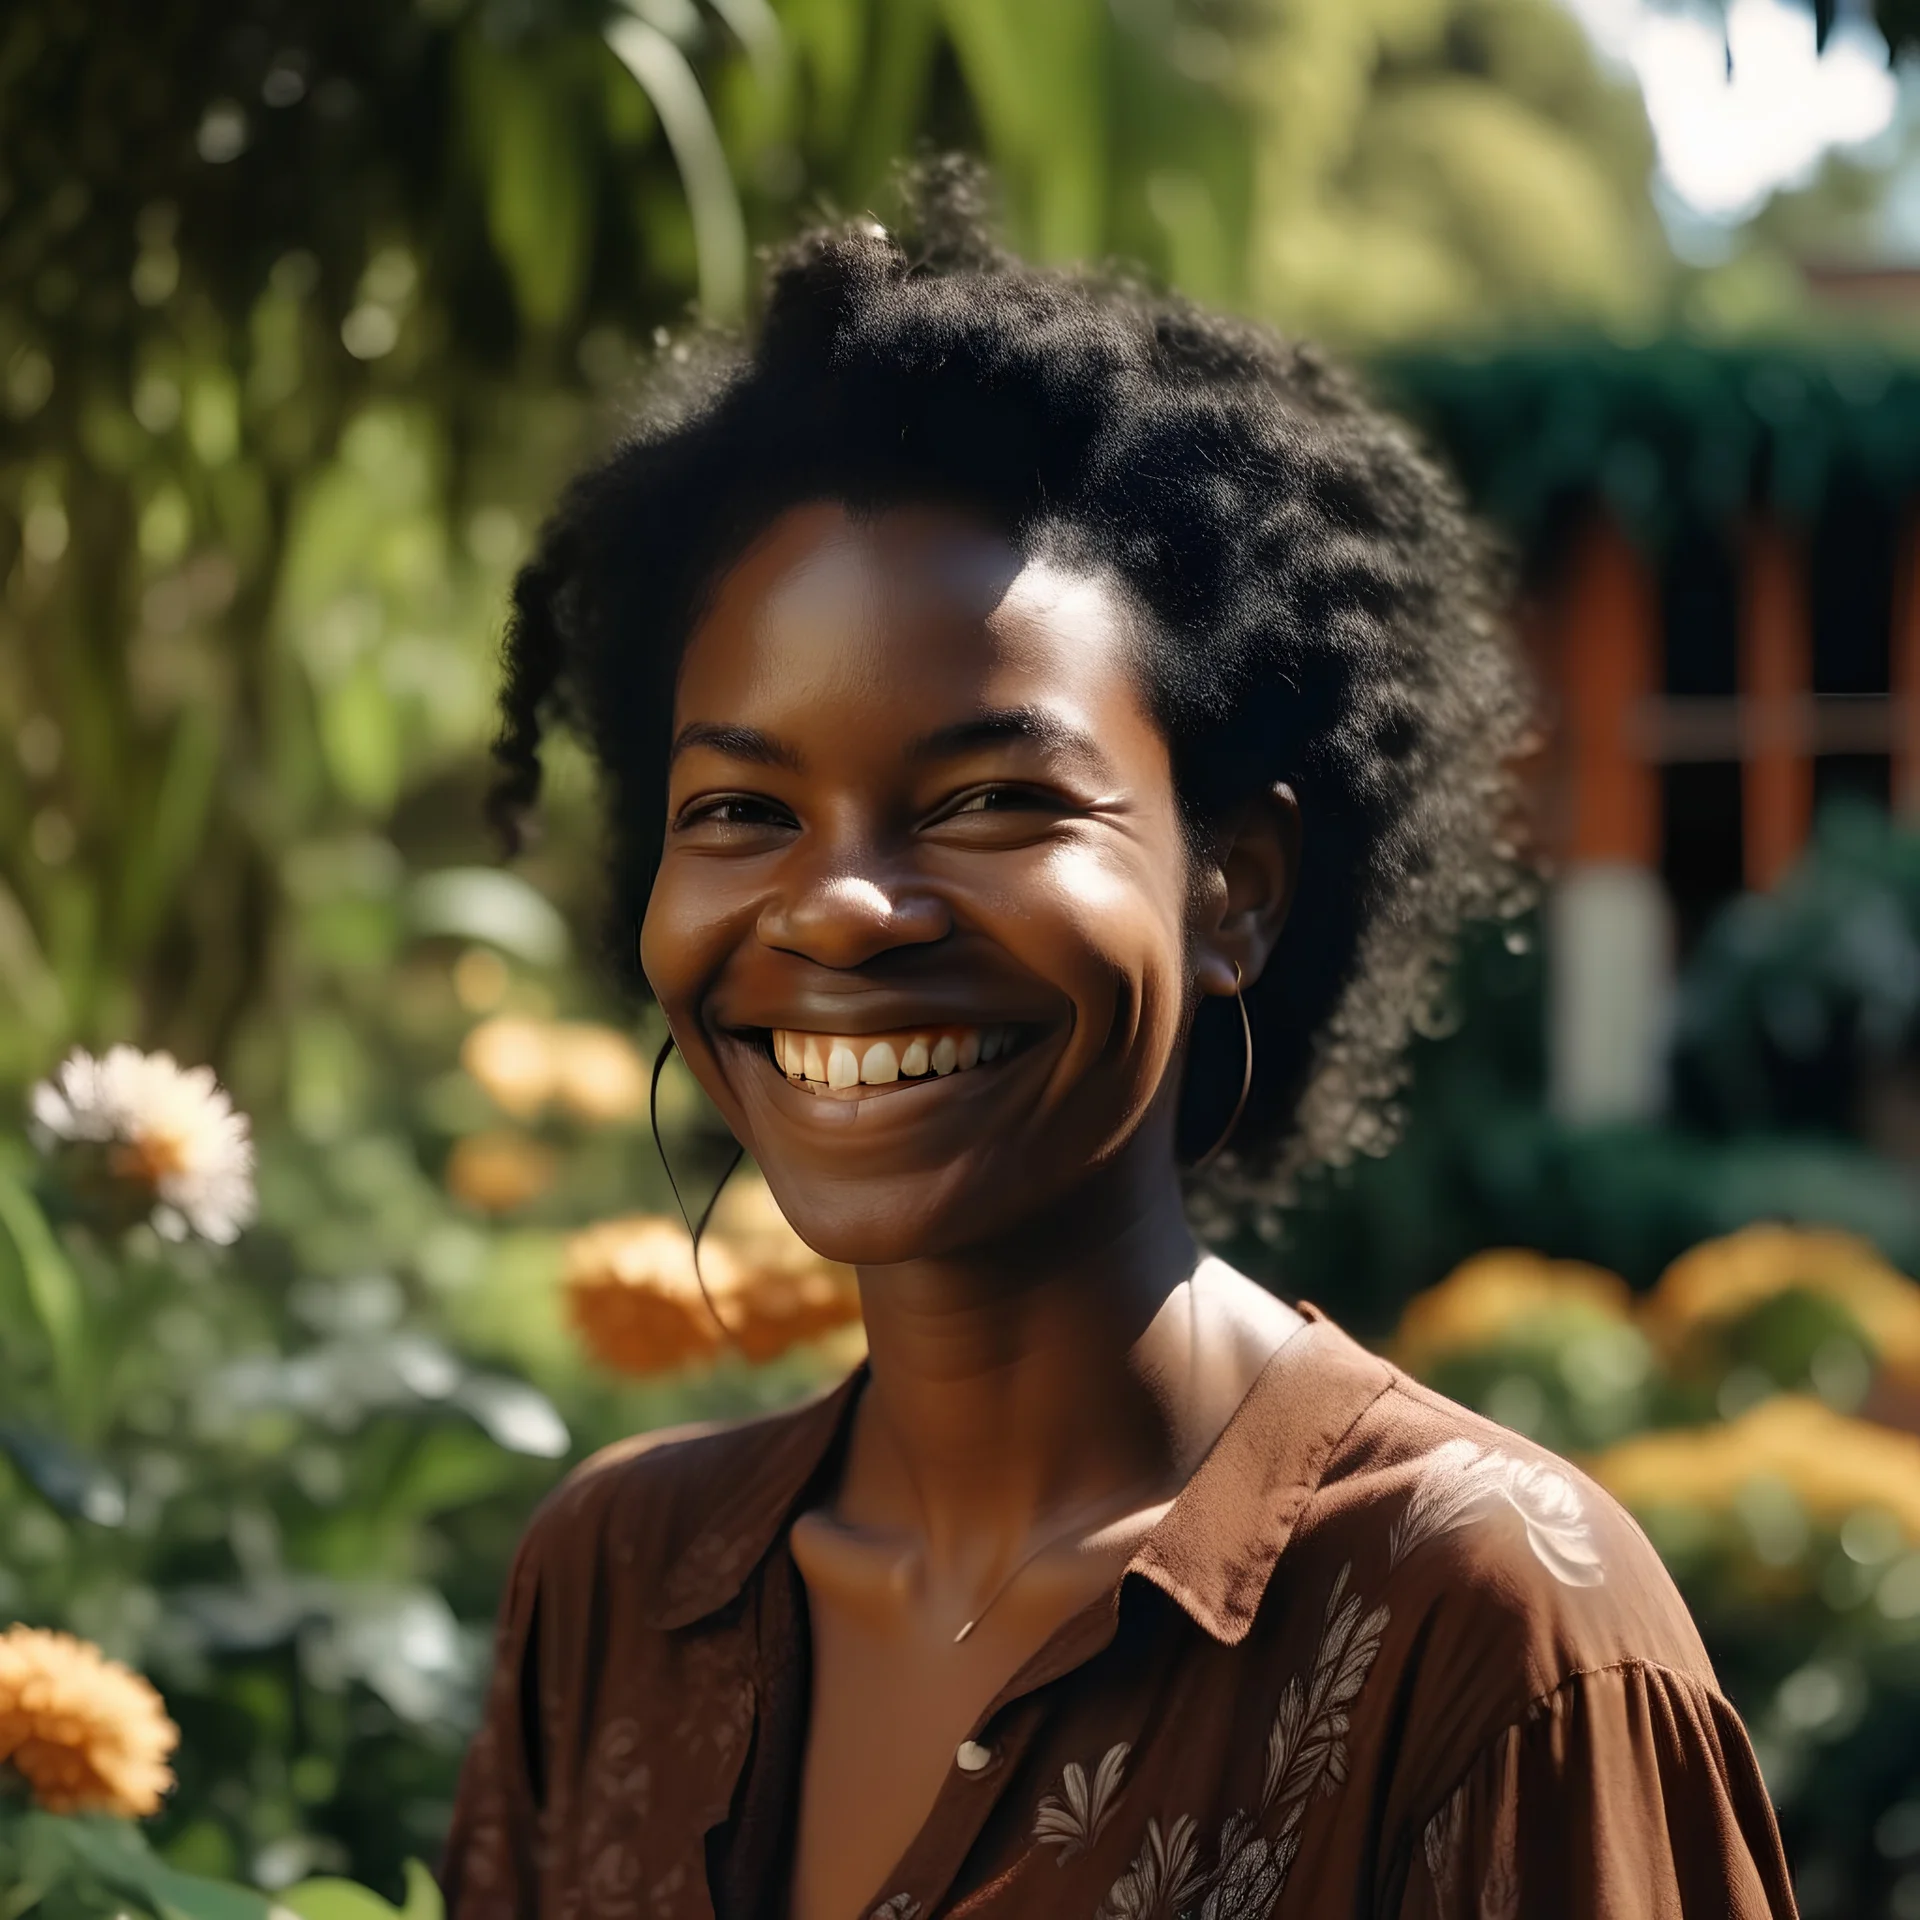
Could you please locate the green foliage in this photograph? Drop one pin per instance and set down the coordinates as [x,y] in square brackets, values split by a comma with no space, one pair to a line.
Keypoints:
[1445,167]
[1793,1066]
[1665,431]
[1802,1010]
[341,1900]
[91,1867]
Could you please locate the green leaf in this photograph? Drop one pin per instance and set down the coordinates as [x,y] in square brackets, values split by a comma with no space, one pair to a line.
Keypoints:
[360,733]
[335,1900]
[450,1466]
[893,92]
[175,824]
[118,1853]
[1037,77]
[526,130]
[46,1281]
[719,228]
[423,1895]
[64,1476]
[329,1899]
[184,1899]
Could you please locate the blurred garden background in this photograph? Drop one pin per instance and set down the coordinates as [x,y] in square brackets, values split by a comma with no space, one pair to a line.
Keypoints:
[305,312]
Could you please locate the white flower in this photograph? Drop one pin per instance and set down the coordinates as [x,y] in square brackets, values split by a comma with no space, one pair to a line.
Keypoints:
[171,1137]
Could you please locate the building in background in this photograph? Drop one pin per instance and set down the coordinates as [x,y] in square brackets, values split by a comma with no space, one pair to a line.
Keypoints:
[1719,555]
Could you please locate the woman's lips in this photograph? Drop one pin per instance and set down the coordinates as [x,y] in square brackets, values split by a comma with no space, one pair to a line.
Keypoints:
[834,1062]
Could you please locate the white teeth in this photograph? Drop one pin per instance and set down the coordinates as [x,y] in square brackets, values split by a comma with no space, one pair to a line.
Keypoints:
[841,1061]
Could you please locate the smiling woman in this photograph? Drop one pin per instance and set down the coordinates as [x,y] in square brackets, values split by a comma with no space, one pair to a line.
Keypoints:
[996,674]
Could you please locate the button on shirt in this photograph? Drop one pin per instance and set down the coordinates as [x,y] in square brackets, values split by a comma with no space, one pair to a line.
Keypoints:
[1380,1657]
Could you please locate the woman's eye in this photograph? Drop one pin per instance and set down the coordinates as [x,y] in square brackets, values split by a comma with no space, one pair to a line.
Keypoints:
[999,800]
[733,810]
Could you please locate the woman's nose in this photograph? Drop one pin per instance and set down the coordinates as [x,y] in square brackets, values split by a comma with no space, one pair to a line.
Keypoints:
[850,913]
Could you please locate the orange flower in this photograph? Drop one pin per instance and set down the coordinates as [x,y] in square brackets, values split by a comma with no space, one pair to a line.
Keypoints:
[598,1073]
[1835,1465]
[498,1172]
[633,1295]
[87,1734]
[1722,1280]
[595,1072]
[1498,1294]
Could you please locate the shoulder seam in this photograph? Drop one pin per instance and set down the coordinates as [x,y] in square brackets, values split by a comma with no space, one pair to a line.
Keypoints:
[1531,1708]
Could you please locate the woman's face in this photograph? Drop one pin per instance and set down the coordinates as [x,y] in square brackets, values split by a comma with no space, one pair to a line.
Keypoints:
[922,920]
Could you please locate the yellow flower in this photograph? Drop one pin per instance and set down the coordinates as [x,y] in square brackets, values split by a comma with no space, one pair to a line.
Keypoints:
[634,1298]
[86,1734]
[1721,1280]
[497,1172]
[1496,1295]
[1834,1465]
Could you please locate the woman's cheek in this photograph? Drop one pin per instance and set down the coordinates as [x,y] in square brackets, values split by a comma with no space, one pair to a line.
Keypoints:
[682,945]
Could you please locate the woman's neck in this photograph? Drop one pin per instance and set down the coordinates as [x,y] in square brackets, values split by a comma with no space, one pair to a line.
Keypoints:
[1015,1387]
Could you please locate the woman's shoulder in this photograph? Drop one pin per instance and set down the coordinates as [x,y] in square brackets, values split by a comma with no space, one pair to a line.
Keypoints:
[1511,1622]
[683,1510]
[1509,1555]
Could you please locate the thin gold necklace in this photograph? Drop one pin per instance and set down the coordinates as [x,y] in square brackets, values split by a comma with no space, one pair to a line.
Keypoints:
[1020,1566]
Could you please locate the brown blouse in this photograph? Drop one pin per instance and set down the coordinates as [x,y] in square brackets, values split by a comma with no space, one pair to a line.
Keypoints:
[1380,1657]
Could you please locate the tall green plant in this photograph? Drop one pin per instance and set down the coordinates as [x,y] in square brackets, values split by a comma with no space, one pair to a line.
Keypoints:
[300,313]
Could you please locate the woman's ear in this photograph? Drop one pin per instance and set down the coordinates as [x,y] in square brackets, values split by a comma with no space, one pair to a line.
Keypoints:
[1255,865]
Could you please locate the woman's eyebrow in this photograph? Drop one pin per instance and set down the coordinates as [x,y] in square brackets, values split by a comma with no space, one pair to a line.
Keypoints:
[1029,726]
[737,743]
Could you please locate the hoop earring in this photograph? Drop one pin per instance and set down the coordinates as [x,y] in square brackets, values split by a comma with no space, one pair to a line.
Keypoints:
[1246,1080]
[695,1228]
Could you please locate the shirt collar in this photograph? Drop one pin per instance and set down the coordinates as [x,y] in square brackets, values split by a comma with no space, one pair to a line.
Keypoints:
[748,1518]
[1213,1550]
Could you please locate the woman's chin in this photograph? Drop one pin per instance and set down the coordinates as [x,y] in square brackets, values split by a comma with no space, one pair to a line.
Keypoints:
[882,1221]
[840,1227]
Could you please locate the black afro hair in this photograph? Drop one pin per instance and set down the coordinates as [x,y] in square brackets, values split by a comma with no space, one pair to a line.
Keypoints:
[1321,610]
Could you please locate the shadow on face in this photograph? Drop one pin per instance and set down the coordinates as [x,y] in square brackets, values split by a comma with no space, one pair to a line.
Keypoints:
[922,920]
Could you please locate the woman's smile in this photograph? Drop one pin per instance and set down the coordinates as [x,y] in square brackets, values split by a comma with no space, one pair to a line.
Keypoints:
[906,1077]
[840,1063]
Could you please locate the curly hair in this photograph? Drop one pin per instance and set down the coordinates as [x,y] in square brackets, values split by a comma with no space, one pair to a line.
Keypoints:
[1320,609]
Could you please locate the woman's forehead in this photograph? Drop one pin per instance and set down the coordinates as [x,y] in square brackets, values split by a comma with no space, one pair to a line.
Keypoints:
[919,606]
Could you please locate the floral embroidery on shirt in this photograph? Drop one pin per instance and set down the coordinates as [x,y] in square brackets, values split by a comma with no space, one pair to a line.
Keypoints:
[1465,1481]
[1306,1757]
[1164,1876]
[1073,1818]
